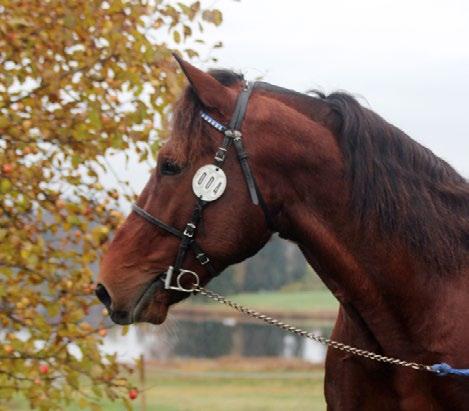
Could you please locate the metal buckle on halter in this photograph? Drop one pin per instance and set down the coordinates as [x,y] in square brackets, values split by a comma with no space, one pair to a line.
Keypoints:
[234,134]
[229,133]
[220,154]
[202,258]
[237,135]
[179,287]
[189,230]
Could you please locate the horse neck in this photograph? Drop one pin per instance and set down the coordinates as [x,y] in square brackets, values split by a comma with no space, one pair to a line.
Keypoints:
[382,285]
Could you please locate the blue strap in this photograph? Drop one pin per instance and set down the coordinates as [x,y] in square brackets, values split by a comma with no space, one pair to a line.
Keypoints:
[214,123]
[446,369]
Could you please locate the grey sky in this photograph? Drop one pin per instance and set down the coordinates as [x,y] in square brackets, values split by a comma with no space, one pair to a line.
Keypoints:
[409,59]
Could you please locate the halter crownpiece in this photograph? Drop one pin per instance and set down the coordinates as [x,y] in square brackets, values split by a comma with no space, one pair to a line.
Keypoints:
[208,184]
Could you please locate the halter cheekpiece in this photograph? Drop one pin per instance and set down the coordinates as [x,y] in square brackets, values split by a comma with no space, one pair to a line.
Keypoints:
[208,185]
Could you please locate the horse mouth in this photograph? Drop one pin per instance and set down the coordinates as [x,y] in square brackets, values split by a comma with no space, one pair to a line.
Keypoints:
[155,312]
[152,305]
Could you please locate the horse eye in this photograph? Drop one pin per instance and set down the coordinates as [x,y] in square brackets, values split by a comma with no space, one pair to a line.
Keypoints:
[169,168]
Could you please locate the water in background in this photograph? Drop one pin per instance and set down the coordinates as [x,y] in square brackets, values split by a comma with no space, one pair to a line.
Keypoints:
[184,337]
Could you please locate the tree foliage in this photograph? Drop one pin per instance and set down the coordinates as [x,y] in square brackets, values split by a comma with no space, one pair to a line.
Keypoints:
[79,80]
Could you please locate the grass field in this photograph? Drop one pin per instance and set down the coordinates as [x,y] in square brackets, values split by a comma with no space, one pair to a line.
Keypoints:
[233,391]
[226,389]
[297,301]
[291,301]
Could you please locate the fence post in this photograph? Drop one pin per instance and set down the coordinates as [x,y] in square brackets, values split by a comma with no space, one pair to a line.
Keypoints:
[141,369]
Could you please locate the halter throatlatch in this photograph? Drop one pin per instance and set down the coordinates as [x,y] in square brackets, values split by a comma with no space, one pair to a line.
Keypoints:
[208,185]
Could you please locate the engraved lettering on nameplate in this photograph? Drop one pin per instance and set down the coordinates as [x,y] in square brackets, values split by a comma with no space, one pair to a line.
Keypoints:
[209,182]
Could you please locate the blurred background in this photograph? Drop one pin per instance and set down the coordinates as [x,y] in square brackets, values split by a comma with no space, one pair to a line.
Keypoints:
[408,61]
[405,60]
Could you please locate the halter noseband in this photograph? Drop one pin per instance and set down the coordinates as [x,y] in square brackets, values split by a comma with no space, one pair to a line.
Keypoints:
[208,185]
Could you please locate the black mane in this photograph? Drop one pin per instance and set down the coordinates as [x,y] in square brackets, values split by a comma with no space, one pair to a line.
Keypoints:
[411,191]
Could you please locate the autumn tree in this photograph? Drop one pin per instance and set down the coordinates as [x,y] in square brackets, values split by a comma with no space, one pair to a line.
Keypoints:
[79,80]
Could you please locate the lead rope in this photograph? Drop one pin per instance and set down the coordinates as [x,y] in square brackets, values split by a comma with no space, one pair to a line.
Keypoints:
[440,369]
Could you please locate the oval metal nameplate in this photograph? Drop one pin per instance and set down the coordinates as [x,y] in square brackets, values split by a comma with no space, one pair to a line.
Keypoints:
[209,182]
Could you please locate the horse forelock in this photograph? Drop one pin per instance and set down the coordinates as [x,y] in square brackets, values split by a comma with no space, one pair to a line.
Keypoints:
[187,139]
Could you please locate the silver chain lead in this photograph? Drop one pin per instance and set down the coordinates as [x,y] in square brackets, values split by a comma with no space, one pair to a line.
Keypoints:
[302,333]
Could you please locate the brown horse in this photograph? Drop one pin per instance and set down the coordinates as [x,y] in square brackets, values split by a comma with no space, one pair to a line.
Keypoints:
[382,220]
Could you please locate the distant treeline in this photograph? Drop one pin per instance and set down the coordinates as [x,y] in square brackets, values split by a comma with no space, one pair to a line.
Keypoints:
[279,265]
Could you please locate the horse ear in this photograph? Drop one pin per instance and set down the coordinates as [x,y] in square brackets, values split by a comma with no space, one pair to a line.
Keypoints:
[210,91]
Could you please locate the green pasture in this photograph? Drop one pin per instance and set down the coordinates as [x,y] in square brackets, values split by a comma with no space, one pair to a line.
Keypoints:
[294,301]
[233,391]
[225,391]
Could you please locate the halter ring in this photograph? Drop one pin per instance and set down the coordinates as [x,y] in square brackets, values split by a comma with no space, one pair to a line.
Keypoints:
[179,287]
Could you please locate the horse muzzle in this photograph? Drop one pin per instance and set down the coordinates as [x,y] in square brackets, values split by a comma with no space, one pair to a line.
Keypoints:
[186,281]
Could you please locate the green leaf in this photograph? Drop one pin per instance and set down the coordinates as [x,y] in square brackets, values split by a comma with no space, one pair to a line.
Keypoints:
[95,119]
[5,185]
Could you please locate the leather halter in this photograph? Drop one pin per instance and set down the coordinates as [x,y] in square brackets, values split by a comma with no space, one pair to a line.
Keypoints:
[232,136]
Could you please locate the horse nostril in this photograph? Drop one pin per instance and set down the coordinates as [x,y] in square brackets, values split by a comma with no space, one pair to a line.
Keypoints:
[103,295]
